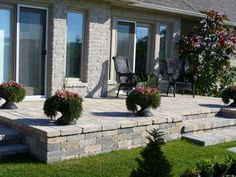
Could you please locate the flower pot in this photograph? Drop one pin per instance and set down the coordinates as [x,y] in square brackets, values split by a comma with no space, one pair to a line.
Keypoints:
[63,121]
[8,105]
[144,112]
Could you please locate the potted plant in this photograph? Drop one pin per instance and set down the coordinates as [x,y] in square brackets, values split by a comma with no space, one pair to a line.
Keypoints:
[145,97]
[12,92]
[66,102]
[229,93]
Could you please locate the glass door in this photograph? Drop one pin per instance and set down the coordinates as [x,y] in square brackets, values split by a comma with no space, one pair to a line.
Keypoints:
[31,49]
[125,40]
[142,46]
[6,45]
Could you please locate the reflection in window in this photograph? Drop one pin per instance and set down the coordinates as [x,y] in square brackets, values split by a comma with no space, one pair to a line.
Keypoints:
[6,59]
[164,39]
[125,40]
[142,39]
[75,26]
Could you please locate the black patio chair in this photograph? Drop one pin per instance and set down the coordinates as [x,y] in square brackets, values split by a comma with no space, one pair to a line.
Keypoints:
[125,78]
[178,76]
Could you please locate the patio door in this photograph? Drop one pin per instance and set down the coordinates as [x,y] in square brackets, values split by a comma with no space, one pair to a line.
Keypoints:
[133,42]
[31,49]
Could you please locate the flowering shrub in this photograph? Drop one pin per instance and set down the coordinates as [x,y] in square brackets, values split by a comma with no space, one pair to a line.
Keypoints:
[66,102]
[229,93]
[208,50]
[145,97]
[12,91]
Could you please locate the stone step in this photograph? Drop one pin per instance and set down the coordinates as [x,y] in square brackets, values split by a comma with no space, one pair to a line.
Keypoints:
[203,124]
[216,136]
[12,149]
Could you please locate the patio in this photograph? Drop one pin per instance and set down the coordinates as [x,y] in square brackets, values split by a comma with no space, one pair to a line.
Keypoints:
[105,125]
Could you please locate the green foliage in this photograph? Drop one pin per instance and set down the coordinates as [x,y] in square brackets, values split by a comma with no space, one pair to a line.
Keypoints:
[153,162]
[190,172]
[208,168]
[209,49]
[146,96]
[12,92]
[145,100]
[71,108]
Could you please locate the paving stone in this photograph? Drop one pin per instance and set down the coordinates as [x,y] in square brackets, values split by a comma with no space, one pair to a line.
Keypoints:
[212,137]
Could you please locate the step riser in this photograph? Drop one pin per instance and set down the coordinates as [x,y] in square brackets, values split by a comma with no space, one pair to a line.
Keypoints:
[207,126]
[200,116]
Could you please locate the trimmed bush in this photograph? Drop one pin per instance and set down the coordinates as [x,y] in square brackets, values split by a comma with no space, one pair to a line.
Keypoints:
[12,91]
[68,103]
[145,97]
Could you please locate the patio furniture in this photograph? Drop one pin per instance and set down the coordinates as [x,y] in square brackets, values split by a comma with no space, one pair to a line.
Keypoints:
[178,76]
[125,78]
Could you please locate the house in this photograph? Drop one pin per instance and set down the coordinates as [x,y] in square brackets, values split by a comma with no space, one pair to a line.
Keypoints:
[50,44]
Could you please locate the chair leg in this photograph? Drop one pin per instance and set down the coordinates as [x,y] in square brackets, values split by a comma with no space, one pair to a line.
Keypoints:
[193,90]
[168,89]
[118,92]
[174,89]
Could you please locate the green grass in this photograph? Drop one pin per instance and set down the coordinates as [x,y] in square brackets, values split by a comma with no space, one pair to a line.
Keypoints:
[180,153]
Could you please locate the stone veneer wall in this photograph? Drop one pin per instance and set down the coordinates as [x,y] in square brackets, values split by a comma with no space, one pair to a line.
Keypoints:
[57,143]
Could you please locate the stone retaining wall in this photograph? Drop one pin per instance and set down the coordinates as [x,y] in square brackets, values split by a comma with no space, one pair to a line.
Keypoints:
[71,142]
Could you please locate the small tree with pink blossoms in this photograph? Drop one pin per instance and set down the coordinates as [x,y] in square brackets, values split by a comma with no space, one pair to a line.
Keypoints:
[208,50]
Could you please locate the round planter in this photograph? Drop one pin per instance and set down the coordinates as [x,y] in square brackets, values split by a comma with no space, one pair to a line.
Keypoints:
[8,105]
[233,97]
[63,121]
[144,112]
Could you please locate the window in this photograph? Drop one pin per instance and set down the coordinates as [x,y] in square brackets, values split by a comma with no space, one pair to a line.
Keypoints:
[6,45]
[164,47]
[75,27]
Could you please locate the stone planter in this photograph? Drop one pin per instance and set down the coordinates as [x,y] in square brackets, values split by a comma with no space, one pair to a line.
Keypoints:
[144,112]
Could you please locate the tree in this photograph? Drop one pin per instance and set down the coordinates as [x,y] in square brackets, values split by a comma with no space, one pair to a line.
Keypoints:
[208,50]
[153,162]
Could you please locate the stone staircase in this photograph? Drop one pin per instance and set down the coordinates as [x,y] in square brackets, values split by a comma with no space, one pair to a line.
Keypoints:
[10,142]
[209,131]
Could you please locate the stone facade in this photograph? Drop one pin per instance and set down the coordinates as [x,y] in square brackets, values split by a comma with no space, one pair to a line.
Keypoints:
[99,41]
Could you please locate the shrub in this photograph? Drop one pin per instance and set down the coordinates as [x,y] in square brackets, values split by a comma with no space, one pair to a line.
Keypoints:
[153,162]
[206,168]
[68,103]
[209,49]
[145,97]
[12,91]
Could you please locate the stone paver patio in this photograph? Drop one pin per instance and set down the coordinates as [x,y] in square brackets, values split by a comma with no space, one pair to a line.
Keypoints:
[105,125]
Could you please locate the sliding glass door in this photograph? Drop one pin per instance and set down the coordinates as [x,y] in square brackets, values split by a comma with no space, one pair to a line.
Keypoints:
[32,51]
[133,42]
[6,44]
[142,49]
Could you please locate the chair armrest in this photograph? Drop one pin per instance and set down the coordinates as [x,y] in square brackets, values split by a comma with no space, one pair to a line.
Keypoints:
[172,78]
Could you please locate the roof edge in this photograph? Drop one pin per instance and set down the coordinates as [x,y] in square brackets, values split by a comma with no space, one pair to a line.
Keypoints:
[167,9]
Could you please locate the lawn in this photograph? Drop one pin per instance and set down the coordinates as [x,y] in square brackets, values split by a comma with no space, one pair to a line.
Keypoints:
[180,153]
